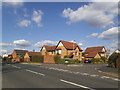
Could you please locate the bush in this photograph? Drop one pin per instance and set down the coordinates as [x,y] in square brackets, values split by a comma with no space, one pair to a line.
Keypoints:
[112,60]
[70,61]
[8,59]
[95,60]
[38,58]
[56,58]
[103,59]
[66,56]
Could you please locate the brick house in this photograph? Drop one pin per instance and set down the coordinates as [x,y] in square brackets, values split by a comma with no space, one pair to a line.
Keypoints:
[63,48]
[95,52]
[48,50]
[28,56]
[18,54]
[68,48]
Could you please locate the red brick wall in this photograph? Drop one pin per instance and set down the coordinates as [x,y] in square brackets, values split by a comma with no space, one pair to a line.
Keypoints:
[49,59]
[118,62]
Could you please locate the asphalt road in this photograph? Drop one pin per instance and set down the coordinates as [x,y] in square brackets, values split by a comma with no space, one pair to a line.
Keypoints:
[54,76]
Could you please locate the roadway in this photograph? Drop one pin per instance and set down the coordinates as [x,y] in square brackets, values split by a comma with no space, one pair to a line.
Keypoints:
[55,76]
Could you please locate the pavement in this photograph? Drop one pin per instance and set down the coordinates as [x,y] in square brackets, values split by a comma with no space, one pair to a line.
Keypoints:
[82,76]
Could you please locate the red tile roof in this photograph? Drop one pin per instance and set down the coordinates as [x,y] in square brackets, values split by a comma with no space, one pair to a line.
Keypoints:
[18,51]
[34,53]
[50,48]
[58,48]
[91,54]
[91,49]
[69,45]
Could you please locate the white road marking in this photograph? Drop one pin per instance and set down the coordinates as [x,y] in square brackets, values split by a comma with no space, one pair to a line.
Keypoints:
[76,84]
[16,66]
[76,72]
[105,77]
[84,73]
[94,75]
[74,65]
[35,72]
[116,79]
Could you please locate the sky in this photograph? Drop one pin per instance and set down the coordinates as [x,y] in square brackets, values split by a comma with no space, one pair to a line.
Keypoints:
[30,25]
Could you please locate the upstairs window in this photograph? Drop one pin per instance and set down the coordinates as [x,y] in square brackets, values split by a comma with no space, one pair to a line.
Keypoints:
[76,53]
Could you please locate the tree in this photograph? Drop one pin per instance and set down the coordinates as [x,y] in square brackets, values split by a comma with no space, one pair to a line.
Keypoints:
[112,60]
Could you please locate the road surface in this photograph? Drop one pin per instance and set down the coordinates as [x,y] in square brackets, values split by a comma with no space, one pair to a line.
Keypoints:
[55,76]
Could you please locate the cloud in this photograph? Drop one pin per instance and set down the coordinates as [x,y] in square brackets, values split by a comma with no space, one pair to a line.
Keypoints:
[92,35]
[5,44]
[46,42]
[14,3]
[37,17]
[109,34]
[113,46]
[3,51]
[95,14]
[80,44]
[24,23]
[21,43]
[25,12]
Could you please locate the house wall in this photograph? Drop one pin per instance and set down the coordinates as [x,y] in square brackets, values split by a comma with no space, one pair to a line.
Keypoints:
[43,51]
[62,53]
[97,56]
[14,54]
[79,56]
[67,52]
[26,57]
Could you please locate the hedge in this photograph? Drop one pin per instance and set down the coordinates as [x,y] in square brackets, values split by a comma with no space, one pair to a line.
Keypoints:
[38,58]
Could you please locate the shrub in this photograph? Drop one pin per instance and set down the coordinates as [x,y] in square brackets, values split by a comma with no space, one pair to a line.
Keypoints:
[56,58]
[103,59]
[95,60]
[66,56]
[38,58]
[61,61]
[8,59]
[70,61]
[112,60]
[77,61]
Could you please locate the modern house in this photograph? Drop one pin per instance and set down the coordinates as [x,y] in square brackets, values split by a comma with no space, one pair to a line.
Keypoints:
[69,48]
[63,48]
[48,50]
[28,56]
[18,55]
[95,52]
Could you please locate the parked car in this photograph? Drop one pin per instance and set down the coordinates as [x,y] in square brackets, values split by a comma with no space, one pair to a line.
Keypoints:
[87,61]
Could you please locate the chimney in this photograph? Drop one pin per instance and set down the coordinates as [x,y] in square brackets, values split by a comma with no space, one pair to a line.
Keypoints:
[33,50]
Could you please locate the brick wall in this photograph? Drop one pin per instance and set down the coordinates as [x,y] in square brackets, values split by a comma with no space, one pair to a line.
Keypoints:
[49,59]
[118,62]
